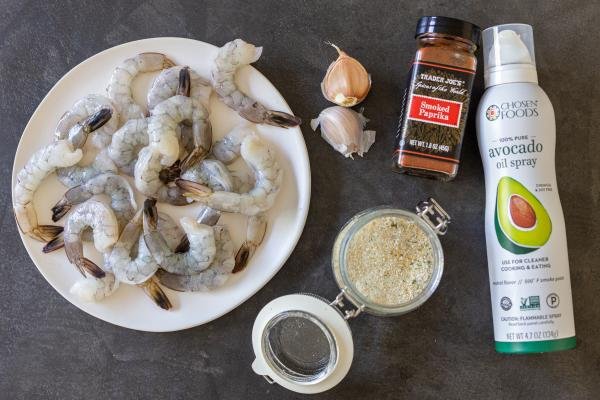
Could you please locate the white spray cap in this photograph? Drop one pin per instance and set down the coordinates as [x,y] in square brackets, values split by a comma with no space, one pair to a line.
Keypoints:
[508,54]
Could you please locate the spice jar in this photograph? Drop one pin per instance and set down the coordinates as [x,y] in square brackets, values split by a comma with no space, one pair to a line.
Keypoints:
[303,342]
[436,100]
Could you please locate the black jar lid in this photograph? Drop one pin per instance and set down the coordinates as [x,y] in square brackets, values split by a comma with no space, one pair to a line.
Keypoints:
[448,26]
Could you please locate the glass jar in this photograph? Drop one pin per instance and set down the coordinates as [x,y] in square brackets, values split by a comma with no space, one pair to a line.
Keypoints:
[303,342]
[340,266]
[436,100]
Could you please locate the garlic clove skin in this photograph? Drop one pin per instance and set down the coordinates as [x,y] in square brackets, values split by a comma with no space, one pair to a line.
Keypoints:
[346,82]
[343,128]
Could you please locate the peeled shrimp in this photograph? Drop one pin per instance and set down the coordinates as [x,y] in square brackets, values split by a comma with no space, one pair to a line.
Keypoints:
[122,197]
[101,219]
[230,57]
[119,266]
[260,158]
[60,154]
[200,235]
[76,174]
[165,86]
[134,135]
[139,268]
[126,143]
[81,110]
[147,179]
[166,117]
[214,276]
[43,162]
[119,88]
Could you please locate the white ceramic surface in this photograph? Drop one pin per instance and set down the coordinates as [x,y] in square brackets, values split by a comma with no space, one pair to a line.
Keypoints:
[129,307]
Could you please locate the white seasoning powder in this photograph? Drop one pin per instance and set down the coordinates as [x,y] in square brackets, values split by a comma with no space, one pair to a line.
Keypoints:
[390,260]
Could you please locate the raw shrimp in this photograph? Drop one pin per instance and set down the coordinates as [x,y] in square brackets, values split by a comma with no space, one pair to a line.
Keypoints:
[126,143]
[43,162]
[133,136]
[78,133]
[122,197]
[227,150]
[147,179]
[230,57]
[74,175]
[61,153]
[94,289]
[165,85]
[214,276]
[164,122]
[164,127]
[200,235]
[119,88]
[81,110]
[259,157]
[135,269]
[255,233]
[122,202]
[101,219]
[80,174]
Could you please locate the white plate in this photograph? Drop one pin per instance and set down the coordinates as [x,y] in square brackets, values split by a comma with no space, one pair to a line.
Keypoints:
[129,307]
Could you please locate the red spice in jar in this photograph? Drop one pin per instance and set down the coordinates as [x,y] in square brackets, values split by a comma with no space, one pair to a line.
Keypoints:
[436,100]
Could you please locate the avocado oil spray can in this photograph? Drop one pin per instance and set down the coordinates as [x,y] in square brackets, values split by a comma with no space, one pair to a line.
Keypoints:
[524,224]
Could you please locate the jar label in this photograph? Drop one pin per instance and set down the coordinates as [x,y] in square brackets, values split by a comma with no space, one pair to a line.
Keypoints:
[434,111]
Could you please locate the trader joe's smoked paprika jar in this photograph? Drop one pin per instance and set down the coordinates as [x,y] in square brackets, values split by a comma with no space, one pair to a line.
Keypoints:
[436,100]
[386,262]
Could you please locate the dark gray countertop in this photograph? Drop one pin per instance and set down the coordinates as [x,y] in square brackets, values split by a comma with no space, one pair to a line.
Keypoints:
[51,349]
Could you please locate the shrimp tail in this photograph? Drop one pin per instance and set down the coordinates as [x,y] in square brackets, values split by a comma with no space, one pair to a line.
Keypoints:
[54,244]
[171,173]
[193,189]
[150,214]
[79,133]
[255,233]
[155,292]
[243,255]
[281,119]
[185,82]
[74,251]
[60,209]
[45,233]
[98,119]
[152,237]
[87,265]
[75,195]
[196,155]
[184,245]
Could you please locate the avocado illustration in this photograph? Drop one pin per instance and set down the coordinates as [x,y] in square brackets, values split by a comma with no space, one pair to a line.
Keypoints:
[522,223]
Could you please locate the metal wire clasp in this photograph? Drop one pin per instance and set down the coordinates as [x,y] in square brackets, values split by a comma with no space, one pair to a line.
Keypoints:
[434,215]
[339,303]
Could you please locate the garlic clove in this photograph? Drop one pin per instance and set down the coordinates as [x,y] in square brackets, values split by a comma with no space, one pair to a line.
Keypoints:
[346,81]
[342,128]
